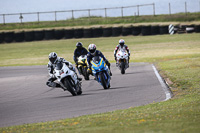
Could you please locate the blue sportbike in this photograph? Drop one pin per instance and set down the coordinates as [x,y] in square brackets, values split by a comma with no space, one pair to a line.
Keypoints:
[100,71]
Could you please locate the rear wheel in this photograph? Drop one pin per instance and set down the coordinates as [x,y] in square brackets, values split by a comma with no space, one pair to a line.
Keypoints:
[103,80]
[122,67]
[68,83]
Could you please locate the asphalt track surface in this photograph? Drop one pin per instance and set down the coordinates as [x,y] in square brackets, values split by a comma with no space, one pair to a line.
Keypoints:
[24,97]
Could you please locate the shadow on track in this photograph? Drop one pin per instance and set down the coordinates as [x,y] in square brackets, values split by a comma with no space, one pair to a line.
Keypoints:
[122,87]
[57,97]
[129,73]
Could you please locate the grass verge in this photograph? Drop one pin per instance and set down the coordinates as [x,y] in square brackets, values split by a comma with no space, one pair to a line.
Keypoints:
[177,58]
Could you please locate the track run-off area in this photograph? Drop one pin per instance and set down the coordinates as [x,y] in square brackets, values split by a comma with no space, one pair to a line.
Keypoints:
[25,98]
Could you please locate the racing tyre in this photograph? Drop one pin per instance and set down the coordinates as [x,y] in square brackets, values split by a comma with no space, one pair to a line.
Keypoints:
[79,89]
[19,36]
[1,37]
[9,37]
[69,85]
[86,75]
[103,80]
[122,67]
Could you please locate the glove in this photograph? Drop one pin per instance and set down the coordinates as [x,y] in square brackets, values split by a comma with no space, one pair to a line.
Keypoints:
[89,71]
[128,54]
[48,83]
[115,57]
[107,62]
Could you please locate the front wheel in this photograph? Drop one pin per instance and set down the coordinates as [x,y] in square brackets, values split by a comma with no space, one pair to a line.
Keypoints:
[103,81]
[122,67]
[86,74]
[68,83]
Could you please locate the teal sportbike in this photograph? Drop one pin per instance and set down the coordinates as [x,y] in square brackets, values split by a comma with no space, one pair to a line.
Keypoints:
[100,71]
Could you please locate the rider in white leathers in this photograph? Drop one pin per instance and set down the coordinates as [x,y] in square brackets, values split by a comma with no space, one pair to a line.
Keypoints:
[53,59]
[122,45]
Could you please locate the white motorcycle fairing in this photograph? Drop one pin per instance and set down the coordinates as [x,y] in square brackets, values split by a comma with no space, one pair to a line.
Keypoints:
[63,72]
[122,56]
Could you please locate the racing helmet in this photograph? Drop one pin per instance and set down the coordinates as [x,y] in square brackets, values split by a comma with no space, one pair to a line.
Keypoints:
[53,57]
[121,42]
[92,49]
[79,45]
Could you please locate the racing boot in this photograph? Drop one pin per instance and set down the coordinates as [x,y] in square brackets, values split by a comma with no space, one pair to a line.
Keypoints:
[52,84]
[80,79]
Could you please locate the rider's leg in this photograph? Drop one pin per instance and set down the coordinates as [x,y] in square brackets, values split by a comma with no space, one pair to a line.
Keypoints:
[51,83]
[78,69]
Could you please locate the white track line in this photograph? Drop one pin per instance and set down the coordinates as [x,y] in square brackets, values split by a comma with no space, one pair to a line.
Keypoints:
[165,87]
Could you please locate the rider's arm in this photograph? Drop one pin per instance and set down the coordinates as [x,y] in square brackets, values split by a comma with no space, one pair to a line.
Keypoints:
[101,54]
[89,59]
[66,62]
[75,56]
[85,52]
[129,52]
[115,51]
[50,69]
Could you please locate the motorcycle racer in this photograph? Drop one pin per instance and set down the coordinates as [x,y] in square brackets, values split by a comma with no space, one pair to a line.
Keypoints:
[80,50]
[53,59]
[122,45]
[93,52]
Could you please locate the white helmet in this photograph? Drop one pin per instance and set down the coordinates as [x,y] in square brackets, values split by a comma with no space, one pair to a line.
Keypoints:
[121,42]
[53,57]
[92,49]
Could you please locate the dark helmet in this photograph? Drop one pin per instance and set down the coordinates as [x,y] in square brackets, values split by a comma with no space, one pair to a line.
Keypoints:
[53,57]
[121,42]
[79,45]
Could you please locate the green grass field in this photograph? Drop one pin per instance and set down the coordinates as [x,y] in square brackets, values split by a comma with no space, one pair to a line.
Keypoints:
[177,58]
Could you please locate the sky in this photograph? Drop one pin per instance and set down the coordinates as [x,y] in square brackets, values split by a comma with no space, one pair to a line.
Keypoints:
[20,6]
[29,6]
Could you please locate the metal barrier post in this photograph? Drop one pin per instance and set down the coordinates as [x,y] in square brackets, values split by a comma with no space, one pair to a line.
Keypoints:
[154,10]
[20,17]
[186,8]
[138,10]
[105,13]
[72,14]
[89,13]
[122,11]
[38,15]
[4,20]
[169,9]
[55,16]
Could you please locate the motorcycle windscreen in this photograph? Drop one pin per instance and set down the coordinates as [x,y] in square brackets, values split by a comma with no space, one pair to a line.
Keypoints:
[59,66]
[96,59]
